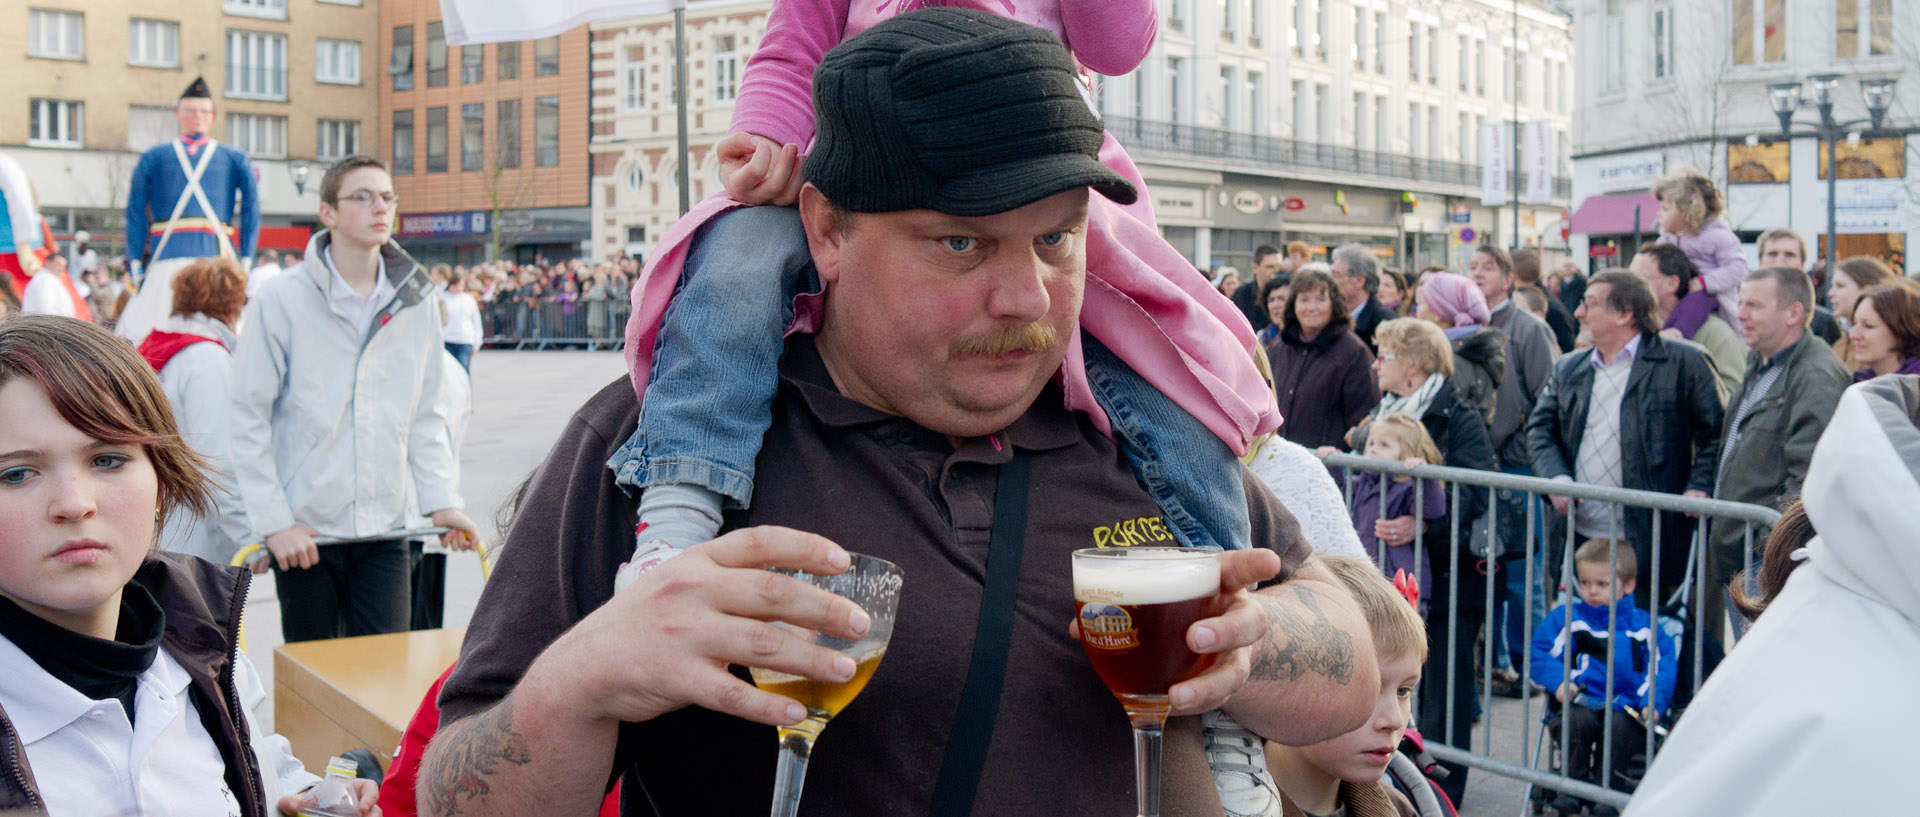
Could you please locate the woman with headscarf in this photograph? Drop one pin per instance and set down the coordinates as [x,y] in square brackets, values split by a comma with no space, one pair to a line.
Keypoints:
[1458,306]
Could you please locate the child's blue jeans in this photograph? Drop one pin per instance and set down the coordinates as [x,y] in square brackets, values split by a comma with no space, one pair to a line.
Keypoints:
[715,372]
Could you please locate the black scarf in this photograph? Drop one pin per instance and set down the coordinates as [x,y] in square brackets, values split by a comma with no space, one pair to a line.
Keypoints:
[95,667]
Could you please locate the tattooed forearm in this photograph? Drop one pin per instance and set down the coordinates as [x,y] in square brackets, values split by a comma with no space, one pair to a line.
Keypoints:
[468,754]
[1300,639]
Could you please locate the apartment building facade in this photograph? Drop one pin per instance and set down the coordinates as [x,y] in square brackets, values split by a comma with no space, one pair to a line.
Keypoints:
[488,143]
[1664,84]
[91,85]
[1254,121]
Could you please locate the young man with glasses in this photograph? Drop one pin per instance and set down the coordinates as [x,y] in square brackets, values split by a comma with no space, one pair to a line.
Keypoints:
[336,419]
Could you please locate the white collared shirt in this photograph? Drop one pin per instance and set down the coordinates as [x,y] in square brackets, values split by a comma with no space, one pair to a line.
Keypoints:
[87,759]
[350,304]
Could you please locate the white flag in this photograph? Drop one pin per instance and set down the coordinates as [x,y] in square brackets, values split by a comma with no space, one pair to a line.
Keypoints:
[1539,163]
[488,21]
[1495,163]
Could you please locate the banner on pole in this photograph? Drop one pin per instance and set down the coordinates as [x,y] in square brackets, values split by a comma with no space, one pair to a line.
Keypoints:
[489,21]
[1539,154]
[1495,163]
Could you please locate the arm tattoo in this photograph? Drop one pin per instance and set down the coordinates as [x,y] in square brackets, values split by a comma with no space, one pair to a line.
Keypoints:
[469,754]
[1294,645]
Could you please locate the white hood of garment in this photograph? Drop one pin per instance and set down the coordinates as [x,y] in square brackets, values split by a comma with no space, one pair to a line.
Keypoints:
[1812,712]
[1863,494]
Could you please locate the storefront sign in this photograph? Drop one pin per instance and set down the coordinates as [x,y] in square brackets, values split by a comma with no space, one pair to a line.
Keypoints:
[428,225]
[1628,171]
[1868,206]
[1176,201]
[1459,214]
[1249,202]
[1296,204]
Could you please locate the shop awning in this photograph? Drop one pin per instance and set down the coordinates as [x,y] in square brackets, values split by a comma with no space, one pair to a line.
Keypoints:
[1613,215]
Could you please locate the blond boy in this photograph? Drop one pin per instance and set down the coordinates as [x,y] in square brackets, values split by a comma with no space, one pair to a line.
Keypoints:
[1343,774]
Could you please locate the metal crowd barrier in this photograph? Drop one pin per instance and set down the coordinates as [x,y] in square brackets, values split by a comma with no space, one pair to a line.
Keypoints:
[551,323]
[1687,602]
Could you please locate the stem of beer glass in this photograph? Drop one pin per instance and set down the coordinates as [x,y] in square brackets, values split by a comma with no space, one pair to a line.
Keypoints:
[1146,766]
[795,749]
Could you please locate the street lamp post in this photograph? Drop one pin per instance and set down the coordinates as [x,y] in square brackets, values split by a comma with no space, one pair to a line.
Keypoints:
[299,170]
[1786,100]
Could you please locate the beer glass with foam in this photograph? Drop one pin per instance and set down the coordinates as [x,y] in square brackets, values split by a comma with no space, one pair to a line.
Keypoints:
[874,584]
[1135,605]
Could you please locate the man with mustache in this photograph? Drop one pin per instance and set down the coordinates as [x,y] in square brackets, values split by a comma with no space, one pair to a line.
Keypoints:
[953,264]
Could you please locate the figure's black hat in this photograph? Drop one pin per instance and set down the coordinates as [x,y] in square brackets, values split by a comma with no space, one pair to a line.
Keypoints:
[198,90]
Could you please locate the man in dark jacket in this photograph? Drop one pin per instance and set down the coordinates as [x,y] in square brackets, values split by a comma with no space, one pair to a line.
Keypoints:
[1526,272]
[1793,383]
[1357,270]
[1267,260]
[1633,411]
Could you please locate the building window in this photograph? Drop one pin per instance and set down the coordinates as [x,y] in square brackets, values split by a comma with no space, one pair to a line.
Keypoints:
[1466,138]
[1174,64]
[1506,74]
[149,125]
[1323,112]
[633,80]
[546,57]
[1320,29]
[507,139]
[473,135]
[546,131]
[1295,24]
[401,66]
[1433,56]
[635,178]
[1433,130]
[1759,31]
[336,61]
[1256,23]
[1413,129]
[1382,125]
[403,143]
[256,65]
[1229,22]
[1177,15]
[56,123]
[1663,43]
[1226,98]
[1520,79]
[257,135]
[1359,112]
[506,61]
[1298,127]
[1848,42]
[1256,101]
[436,57]
[153,43]
[437,139]
[1413,51]
[273,9]
[336,138]
[1359,36]
[1465,71]
[473,64]
[726,69]
[56,35]
[1479,67]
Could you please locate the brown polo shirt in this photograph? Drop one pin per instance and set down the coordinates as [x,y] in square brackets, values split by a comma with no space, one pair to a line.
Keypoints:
[882,485]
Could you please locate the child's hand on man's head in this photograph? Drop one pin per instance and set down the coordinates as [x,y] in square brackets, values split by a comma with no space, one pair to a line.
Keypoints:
[757,170]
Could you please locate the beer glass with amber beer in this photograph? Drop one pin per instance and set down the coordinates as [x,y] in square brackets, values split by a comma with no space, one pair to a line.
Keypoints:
[872,583]
[1135,605]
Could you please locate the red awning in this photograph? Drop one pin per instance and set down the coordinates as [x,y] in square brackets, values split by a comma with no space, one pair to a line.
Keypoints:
[1613,215]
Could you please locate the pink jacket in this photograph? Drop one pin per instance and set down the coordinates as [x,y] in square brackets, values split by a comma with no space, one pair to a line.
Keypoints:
[1716,251]
[1172,327]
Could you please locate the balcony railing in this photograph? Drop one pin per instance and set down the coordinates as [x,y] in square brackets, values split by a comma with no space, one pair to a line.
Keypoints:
[1272,153]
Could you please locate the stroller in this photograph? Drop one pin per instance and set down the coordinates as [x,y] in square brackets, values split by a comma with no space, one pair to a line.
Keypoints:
[1672,621]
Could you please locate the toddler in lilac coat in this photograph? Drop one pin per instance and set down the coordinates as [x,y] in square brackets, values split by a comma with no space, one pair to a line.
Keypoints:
[1400,438]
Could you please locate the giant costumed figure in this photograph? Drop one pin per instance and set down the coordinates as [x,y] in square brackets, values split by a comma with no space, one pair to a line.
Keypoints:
[22,241]
[191,198]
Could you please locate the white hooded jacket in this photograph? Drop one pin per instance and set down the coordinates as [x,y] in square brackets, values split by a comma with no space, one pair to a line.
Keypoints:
[1813,712]
[196,384]
[329,431]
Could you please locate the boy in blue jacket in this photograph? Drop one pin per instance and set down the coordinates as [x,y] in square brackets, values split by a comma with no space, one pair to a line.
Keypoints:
[1642,679]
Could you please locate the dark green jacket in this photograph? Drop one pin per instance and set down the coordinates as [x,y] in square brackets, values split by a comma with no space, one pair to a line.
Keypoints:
[1769,462]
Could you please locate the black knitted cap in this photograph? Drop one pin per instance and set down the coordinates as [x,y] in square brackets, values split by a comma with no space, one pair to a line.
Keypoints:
[957,111]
